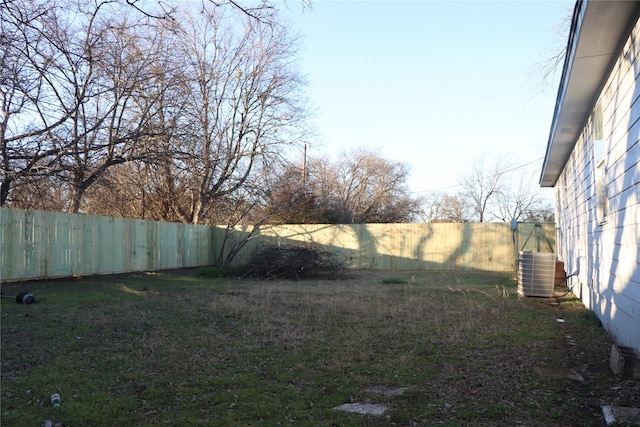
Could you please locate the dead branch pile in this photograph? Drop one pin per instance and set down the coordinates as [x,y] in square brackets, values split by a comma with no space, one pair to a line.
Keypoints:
[293,262]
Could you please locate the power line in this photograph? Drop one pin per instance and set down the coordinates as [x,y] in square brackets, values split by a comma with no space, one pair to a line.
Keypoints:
[519,167]
[494,175]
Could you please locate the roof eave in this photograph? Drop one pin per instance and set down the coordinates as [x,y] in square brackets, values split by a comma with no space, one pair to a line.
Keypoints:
[598,30]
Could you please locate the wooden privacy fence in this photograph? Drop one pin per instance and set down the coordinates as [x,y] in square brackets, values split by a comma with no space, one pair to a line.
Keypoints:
[440,246]
[37,245]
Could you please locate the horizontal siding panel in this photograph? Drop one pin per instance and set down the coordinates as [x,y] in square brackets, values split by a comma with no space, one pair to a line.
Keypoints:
[624,173]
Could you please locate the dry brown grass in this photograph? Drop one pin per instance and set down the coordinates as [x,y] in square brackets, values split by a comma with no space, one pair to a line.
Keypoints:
[179,349]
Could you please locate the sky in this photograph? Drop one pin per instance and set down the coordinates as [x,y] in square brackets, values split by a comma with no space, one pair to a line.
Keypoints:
[433,84]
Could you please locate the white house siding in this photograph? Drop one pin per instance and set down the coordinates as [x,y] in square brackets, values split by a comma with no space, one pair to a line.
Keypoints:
[605,257]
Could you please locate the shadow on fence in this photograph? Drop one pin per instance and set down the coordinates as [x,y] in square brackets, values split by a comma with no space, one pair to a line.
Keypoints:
[38,245]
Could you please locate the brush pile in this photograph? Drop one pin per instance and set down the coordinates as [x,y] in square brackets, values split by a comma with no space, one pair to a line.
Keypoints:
[293,262]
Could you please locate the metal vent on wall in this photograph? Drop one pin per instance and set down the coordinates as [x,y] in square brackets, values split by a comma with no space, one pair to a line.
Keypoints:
[536,273]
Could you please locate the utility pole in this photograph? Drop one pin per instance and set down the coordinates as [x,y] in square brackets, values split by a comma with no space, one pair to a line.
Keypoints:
[304,170]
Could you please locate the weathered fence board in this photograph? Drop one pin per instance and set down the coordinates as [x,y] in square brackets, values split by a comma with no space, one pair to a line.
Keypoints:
[459,246]
[38,244]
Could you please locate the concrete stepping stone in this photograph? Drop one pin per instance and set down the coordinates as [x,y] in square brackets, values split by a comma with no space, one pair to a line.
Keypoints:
[367,408]
[362,408]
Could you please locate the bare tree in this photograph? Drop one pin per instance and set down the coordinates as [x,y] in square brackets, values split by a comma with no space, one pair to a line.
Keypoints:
[297,196]
[359,187]
[199,104]
[541,212]
[288,198]
[497,190]
[126,190]
[544,71]
[109,128]
[364,187]
[72,71]
[262,11]
[521,199]
[240,105]
[482,183]
[148,188]
[33,104]
[442,207]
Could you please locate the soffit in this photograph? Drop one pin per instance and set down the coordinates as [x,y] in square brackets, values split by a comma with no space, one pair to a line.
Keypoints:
[596,33]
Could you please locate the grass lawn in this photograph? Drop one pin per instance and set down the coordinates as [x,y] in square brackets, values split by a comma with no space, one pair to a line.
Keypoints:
[181,349]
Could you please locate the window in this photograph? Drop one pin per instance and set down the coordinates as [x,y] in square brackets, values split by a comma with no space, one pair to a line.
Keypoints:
[599,154]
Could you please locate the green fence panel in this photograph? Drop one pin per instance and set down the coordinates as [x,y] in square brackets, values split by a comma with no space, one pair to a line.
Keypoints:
[44,244]
[441,246]
[36,245]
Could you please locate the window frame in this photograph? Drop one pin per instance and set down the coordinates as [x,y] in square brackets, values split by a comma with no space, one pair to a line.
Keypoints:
[600,169]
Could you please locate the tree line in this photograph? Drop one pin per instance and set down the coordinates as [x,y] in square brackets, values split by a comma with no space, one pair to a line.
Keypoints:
[190,112]
[491,189]
[158,113]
